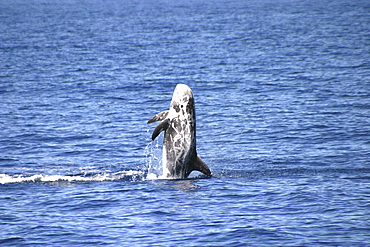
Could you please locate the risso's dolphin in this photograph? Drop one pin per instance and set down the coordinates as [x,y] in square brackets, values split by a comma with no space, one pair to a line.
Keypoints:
[179,154]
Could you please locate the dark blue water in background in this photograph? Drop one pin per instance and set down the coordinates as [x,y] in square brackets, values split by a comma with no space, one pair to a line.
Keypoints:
[282,92]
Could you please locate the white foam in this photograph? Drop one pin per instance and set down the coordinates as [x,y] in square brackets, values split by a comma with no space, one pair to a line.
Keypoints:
[131,175]
[151,176]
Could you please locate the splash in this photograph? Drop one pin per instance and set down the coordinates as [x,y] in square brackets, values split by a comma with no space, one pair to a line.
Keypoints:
[154,159]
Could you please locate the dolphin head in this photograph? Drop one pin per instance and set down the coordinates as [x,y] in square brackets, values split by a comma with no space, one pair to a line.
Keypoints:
[183,100]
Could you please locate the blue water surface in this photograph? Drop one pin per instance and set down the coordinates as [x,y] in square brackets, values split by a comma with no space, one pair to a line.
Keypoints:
[282,91]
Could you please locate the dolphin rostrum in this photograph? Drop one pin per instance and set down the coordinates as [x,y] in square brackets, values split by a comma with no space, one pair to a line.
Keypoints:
[179,154]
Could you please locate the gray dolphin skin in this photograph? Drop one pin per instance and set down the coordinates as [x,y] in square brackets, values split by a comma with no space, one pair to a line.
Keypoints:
[179,154]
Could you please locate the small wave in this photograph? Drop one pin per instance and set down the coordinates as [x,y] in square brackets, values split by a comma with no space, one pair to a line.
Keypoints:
[40,178]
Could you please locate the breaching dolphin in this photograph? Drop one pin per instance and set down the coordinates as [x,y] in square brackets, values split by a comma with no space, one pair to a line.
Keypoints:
[179,154]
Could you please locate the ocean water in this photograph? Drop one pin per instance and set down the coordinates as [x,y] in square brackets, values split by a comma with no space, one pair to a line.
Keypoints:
[282,94]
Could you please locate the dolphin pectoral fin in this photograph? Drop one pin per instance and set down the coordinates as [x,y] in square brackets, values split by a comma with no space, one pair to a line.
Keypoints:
[200,165]
[159,117]
[160,127]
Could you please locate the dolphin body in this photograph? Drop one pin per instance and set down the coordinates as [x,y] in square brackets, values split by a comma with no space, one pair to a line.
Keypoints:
[179,154]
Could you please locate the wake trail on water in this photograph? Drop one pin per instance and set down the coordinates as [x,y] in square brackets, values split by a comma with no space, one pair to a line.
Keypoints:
[101,177]
[151,171]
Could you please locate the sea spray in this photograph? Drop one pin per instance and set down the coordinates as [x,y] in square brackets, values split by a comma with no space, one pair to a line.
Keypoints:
[153,153]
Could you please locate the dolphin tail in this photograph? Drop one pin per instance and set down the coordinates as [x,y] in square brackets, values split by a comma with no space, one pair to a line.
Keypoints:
[200,165]
[159,117]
